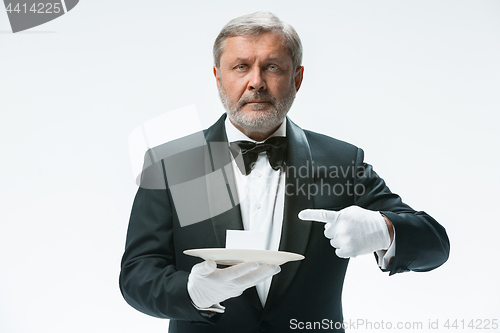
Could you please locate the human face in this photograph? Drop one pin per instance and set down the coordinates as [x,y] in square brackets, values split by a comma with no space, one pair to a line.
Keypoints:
[257,82]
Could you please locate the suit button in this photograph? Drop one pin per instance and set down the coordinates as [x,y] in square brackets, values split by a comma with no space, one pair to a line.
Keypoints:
[264,326]
[391,259]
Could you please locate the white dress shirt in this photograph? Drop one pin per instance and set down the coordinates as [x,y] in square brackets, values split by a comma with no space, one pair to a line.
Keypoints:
[262,199]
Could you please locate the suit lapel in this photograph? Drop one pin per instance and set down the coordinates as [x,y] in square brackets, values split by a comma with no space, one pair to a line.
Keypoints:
[295,232]
[221,182]
[217,158]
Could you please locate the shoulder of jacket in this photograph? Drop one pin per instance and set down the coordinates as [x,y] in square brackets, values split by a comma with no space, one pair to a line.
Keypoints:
[325,142]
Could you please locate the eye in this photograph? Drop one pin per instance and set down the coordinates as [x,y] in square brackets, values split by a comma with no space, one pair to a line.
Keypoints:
[240,67]
[273,68]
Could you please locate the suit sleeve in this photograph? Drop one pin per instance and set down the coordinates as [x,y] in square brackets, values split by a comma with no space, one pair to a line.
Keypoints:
[421,242]
[149,280]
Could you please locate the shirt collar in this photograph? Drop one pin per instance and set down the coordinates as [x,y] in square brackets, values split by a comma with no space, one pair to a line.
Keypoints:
[234,134]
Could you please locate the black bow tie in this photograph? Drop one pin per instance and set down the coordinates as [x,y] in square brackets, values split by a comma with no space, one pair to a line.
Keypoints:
[275,148]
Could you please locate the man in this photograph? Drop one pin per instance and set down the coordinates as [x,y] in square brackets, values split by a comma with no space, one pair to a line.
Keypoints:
[288,182]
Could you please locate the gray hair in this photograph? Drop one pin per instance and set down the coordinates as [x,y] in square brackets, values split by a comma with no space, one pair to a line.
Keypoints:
[255,24]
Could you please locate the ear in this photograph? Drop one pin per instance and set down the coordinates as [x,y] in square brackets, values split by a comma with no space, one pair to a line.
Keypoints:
[299,75]
[217,76]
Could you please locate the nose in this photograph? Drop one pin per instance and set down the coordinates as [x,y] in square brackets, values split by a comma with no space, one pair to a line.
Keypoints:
[256,81]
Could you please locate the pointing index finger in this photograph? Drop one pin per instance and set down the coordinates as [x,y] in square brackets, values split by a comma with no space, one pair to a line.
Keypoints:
[319,215]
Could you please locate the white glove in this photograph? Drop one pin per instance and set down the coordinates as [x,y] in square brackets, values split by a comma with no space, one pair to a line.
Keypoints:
[353,231]
[209,285]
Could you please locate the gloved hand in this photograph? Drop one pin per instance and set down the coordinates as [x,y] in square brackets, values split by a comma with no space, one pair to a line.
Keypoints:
[209,285]
[353,231]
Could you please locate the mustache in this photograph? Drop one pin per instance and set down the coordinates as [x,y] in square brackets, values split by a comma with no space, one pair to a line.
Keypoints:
[257,96]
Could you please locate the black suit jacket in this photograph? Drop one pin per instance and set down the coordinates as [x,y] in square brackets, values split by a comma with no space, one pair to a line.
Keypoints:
[322,172]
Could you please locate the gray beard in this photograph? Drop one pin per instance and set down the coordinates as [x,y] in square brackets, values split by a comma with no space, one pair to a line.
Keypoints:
[264,121]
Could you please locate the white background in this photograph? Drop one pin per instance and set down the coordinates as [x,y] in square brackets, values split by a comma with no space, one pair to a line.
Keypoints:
[416,84]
